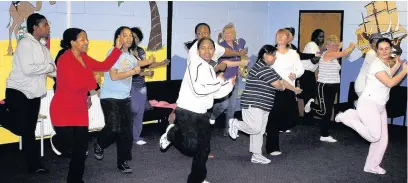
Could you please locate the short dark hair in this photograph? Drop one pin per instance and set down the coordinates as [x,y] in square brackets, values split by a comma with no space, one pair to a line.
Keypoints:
[203,39]
[266,49]
[383,40]
[69,35]
[315,34]
[117,33]
[200,24]
[33,20]
[138,32]
[291,30]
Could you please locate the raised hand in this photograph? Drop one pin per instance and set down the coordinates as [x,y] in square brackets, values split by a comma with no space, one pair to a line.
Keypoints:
[119,42]
[242,52]
[149,73]
[221,76]
[292,76]
[137,70]
[298,90]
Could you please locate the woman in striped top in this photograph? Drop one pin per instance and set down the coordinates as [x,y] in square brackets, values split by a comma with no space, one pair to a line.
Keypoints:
[257,100]
[328,84]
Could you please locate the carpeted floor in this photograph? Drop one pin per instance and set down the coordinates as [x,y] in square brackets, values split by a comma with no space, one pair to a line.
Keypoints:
[304,159]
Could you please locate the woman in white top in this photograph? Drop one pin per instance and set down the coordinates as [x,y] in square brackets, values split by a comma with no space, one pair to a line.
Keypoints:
[370,56]
[328,84]
[370,117]
[200,86]
[26,84]
[285,114]
[308,80]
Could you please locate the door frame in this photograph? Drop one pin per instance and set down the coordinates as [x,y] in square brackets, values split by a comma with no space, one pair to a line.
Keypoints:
[341,32]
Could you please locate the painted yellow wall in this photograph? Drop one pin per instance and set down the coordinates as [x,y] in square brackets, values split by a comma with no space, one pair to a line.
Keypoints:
[97,50]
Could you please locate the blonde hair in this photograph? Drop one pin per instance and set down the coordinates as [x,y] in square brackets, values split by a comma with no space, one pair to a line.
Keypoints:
[332,39]
[230,26]
[283,31]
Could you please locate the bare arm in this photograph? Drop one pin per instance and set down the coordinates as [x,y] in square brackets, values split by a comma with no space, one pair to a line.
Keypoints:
[338,54]
[235,63]
[396,66]
[391,81]
[115,75]
[230,53]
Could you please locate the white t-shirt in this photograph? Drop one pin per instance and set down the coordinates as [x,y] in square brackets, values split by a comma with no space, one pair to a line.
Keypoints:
[288,63]
[374,89]
[218,52]
[312,48]
[360,83]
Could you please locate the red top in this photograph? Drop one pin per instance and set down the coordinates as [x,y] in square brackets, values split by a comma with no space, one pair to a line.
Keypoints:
[69,105]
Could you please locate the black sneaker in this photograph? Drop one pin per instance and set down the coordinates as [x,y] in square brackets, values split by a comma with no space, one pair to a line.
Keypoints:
[98,152]
[124,168]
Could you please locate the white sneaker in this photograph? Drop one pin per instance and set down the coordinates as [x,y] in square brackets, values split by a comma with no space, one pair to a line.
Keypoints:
[205,181]
[52,145]
[164,143]
[288,131]
[280,131]
[233,131]
[338,117]
[307,106]
[275,153]
[258,158]
[328,139]
[212,121]
[376,170]
[141,142]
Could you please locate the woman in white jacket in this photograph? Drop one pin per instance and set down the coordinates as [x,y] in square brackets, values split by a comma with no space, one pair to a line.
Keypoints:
[26,84]
[199,88]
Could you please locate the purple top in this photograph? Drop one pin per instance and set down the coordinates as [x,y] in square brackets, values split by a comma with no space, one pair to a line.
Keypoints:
[231,72]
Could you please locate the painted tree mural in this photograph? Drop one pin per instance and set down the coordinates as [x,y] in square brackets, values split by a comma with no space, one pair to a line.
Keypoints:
[155,38]
[19,11]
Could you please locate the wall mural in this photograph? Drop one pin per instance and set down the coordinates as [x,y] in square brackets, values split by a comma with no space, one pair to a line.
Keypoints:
[19,11]
[381,17]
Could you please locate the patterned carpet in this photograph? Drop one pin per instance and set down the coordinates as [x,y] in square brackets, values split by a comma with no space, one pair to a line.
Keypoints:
[304,159]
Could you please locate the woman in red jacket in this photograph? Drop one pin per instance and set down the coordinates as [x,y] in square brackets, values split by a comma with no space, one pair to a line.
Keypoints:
[69,109]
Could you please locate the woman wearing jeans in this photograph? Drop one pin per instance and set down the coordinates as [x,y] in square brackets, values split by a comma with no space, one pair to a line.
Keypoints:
[370,117]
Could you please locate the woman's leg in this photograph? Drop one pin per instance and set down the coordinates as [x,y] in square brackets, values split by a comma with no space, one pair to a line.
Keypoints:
[329,94]
[232,102]
[366,120]
[80,146]
[107,135]
[124,135]
[199,170]
[138,98]
[272,127]
[24,113]
[377,149]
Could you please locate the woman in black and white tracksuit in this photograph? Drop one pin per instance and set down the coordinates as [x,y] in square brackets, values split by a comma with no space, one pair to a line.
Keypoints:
[328,84]
[199,87]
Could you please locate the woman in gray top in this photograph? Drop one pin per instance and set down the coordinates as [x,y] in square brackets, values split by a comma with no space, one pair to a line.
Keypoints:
[26,84]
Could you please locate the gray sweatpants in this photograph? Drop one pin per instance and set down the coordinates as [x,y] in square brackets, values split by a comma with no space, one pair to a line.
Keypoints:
[254,124]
